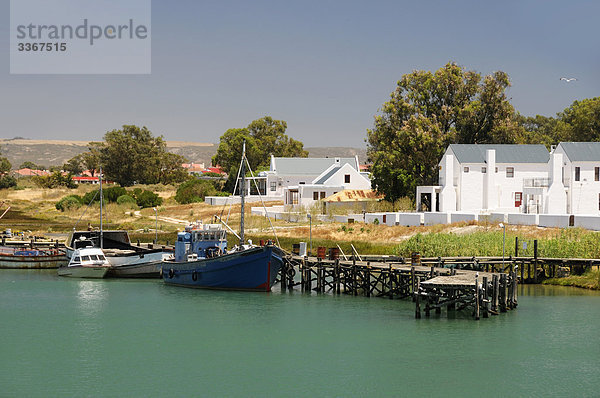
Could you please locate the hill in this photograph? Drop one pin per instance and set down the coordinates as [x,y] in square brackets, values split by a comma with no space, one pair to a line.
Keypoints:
[57,152]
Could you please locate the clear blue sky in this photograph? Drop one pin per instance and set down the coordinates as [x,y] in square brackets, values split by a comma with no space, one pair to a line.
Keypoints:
[325,67]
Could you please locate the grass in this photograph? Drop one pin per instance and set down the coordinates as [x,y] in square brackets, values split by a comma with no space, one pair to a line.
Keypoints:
[589,280]
[566,243]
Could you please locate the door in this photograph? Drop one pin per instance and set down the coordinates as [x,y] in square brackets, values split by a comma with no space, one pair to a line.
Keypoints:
[518,199]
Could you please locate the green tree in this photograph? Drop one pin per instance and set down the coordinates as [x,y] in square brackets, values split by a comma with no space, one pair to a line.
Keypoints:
[5,166]
[264,137]
[74,165]
[580,122]
[194,191]
[91,159]
[427,112]
[30,165]
[171,170]
[540,130]
[133,155]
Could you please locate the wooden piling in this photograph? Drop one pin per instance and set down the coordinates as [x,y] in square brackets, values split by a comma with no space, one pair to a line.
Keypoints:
[502,293]
[391,282]
[477,298]
[336,273]
[417,300]
[283,273]
[367,282]
[484,294]
[495,293]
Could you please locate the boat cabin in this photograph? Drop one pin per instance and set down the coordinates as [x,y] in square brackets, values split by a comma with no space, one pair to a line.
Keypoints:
[89,256]
[200,241]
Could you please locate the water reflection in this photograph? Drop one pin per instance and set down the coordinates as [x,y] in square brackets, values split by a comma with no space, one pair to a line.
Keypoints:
[550,290]
[91,296]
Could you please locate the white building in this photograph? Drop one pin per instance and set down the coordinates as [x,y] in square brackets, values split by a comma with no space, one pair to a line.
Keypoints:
[337,177]
[285,172]
[577,171]
[483,178]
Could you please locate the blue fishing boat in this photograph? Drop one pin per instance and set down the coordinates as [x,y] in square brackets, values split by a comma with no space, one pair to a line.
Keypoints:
[203,260]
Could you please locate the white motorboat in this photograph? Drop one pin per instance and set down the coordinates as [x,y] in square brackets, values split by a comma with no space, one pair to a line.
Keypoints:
[86,262]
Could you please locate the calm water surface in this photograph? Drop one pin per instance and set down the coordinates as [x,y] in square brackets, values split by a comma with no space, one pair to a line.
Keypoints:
[68,337]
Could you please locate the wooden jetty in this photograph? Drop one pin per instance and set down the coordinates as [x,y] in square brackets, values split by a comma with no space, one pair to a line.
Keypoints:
[430,287]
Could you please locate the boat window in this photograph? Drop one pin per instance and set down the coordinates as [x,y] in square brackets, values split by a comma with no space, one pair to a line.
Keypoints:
[94,257]
[85,258]
[101,257]
[76,259]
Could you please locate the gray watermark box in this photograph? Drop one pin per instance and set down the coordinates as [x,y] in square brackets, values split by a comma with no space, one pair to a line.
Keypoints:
[80,37]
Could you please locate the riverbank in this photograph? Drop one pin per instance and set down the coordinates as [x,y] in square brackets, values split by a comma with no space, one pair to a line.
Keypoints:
[589,280]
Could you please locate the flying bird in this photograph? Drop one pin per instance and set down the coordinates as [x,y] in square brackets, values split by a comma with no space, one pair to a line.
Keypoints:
[568,80]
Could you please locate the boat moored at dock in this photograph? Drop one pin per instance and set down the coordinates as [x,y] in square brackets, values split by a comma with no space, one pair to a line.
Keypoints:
[31,257]
[86,262]
[203,261]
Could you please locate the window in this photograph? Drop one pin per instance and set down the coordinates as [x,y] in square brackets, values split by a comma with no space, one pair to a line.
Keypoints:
[510,172]
[273,185]
[384,218]
[577,173]
[322,195]
[347,178]
[301,183]
[315,195]
[596,173]
[484,170]
[496,169]
[466,169]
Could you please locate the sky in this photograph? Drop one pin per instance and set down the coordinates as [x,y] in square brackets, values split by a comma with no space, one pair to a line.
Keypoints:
[325,67]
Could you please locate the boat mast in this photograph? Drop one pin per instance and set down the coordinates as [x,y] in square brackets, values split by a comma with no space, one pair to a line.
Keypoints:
[243,191]
[101,235]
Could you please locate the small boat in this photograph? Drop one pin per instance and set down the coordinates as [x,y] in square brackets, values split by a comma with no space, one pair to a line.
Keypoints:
[126,260]
[86,262]
[23,256]
[202,259]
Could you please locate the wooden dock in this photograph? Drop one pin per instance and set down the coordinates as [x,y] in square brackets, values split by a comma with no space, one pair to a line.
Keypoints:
[429,286]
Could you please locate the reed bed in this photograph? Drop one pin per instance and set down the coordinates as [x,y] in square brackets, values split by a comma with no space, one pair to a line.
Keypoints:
[565,243]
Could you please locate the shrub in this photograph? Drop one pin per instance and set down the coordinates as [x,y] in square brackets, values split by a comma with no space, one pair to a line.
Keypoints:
[146,198]
[54,180]
[110,195]
[69,202]
[7,182]
[194,191]
[126,200]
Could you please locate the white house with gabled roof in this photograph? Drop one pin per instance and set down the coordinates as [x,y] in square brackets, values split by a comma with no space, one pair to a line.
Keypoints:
[337,177]
[485,177]
[286,172]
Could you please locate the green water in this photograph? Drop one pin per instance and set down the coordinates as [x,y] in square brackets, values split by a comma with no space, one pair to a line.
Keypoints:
[68,337]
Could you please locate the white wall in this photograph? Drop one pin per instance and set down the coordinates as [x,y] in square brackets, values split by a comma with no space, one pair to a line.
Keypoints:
[436,218]
[554,220]
[410,219]
[458,217]
[523,219]
[588,222]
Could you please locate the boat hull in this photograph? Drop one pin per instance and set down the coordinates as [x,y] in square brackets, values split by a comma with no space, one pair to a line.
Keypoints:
[93,272]
[253,270]
[141,270]
[33,262]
